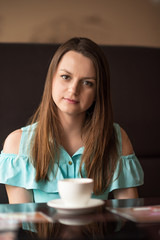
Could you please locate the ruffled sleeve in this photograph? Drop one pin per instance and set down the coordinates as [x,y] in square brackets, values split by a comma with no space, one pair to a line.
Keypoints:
[17,170]
[129,173]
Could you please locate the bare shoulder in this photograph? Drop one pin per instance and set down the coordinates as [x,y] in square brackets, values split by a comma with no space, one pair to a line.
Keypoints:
[12,142]
[127,148]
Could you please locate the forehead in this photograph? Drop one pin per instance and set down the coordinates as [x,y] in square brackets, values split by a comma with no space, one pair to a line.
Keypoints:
[76,60]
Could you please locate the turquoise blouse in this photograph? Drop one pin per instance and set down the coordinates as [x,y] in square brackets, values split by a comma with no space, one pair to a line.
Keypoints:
[17,170]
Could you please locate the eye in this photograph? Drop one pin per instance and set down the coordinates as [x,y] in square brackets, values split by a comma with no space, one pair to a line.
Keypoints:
[88,83]
[65,77]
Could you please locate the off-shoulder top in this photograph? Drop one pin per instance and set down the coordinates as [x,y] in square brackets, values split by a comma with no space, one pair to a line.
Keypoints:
[17,169]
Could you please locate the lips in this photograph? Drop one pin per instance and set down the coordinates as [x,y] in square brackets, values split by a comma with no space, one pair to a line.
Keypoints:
[72,101]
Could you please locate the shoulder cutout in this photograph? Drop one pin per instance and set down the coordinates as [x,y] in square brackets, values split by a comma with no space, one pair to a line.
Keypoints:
[127,148]
[12,142]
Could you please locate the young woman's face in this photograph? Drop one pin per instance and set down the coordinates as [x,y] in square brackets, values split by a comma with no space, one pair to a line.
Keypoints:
[74,84]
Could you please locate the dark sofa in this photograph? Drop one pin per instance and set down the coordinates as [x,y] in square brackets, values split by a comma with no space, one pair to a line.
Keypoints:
[135,84]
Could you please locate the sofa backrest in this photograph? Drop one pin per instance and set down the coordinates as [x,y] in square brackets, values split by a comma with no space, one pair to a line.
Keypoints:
[135,86]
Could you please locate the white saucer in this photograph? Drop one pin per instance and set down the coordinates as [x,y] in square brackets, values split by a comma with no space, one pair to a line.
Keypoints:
[63,209]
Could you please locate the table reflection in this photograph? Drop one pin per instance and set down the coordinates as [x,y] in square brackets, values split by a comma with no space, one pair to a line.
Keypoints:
[100,224]
[95,230]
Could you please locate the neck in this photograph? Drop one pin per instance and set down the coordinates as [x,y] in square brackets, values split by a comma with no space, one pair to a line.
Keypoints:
[70,123]
[71,133]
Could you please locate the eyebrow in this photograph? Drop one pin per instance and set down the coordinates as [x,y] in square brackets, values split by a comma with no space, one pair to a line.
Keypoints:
[64,70]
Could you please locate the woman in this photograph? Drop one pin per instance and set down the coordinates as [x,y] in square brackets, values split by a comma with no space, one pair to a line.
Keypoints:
[72,133]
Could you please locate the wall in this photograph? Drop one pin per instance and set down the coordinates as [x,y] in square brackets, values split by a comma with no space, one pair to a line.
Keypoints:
[115,22]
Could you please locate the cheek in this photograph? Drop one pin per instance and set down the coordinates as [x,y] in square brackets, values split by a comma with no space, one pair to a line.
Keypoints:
[57,91]
[54,87]
[91,98]
[93,95]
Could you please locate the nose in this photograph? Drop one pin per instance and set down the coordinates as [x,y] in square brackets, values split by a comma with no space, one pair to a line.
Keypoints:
[74,87]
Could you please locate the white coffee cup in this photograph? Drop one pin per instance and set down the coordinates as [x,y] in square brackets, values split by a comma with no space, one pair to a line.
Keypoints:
[75,192]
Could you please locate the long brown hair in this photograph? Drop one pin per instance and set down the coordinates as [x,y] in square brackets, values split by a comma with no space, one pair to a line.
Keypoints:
[100,145]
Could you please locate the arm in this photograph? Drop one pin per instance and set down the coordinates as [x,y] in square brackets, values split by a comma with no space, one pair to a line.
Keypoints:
[16,194]
[125,193]
[127,149]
